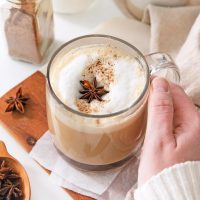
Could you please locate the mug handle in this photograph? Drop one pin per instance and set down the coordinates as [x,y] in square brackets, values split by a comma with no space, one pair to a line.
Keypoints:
[162,65]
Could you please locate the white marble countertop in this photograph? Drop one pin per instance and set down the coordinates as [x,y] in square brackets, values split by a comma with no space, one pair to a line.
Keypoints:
[13,72]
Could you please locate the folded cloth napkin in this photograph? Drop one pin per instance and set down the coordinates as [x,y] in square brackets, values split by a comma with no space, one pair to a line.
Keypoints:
[111,184]
[193,2]
[169,26]
[188,60]
[177,31]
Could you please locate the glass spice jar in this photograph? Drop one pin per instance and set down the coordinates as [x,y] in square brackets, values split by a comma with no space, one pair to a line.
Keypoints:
[29,28]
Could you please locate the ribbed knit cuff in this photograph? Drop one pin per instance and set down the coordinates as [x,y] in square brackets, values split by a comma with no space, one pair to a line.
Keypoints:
[179,182]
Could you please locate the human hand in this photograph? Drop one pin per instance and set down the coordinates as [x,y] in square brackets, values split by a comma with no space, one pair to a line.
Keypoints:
[173,130]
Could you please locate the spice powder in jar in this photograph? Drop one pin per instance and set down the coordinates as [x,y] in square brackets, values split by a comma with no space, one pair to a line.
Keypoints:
[29,29]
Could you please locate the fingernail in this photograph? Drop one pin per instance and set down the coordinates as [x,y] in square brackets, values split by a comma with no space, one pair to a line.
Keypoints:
[160,85]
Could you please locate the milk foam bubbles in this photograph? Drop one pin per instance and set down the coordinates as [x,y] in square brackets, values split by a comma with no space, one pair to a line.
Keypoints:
[120,74]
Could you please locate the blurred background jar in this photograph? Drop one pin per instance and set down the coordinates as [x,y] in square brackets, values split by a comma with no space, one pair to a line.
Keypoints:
[28,27]
[137,7]
[71,6]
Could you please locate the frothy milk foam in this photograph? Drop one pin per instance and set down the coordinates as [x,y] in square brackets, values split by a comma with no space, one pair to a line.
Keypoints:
[119,73]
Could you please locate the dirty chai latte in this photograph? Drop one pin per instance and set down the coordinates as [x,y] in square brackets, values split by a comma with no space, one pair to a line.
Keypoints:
[96,132]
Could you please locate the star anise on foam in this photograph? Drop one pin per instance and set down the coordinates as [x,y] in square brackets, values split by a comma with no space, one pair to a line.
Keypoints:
[91,91]
[17,103]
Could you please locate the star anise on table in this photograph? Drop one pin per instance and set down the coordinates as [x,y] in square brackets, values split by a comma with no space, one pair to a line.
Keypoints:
[10,190]
[17,103]
[7,172]
[10,184]
[4,171]
[91,91]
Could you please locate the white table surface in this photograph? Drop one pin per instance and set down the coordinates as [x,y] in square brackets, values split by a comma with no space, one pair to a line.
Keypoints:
[13,72]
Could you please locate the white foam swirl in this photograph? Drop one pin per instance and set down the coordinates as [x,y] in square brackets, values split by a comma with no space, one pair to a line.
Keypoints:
[127,85]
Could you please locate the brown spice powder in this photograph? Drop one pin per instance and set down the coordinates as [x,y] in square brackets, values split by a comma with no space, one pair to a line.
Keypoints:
[23,35]
[83,106]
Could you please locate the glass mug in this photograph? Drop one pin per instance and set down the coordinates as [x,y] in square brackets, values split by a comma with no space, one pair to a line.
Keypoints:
[101,142]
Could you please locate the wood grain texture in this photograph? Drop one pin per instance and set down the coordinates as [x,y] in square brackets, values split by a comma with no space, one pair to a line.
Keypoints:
[33,123]
[27,128]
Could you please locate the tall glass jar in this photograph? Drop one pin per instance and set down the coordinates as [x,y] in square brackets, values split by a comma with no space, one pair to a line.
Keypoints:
[28,26]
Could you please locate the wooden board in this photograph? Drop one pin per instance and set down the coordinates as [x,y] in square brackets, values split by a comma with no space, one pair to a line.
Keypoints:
[27,128]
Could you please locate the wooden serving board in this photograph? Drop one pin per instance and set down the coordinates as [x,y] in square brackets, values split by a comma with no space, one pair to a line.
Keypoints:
[27,128]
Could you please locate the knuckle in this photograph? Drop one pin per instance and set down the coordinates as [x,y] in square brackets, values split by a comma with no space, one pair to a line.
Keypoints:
[178,88]
[160,140]
[164,144]
[163,106]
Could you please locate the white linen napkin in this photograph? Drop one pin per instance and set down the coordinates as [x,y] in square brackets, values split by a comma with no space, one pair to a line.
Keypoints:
[176,31]
[111,184]
[169,27]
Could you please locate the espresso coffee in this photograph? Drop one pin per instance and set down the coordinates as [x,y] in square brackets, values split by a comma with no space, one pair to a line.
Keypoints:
[99,132]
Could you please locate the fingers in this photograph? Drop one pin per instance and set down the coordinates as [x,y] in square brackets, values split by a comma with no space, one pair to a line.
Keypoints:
[160,112]
[184,107]
[186,117]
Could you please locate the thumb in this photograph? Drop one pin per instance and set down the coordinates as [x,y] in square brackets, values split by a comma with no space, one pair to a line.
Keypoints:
[160,111]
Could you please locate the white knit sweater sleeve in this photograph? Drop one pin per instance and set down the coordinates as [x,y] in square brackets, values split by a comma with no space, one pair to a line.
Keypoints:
[179,182]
